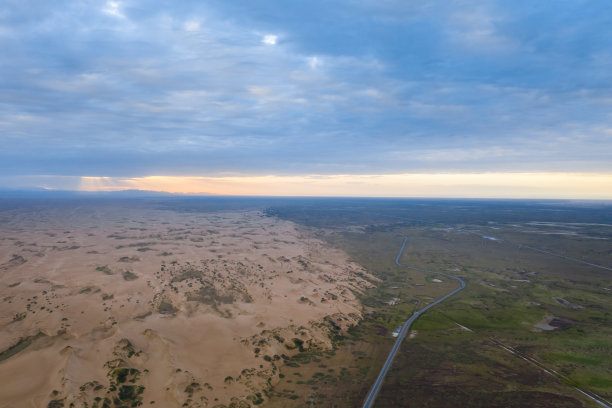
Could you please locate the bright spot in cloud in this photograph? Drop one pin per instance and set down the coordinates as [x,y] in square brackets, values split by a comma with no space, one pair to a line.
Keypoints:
[192,26]
[314,62]
[112,9]
[270,39]
[259,90]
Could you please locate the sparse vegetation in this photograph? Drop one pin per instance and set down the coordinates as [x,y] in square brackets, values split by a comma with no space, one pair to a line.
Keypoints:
[21,345]
[16,260]
[129,259]
[210,296]
[20,316]
[129,275]
[104,269]
[165,307]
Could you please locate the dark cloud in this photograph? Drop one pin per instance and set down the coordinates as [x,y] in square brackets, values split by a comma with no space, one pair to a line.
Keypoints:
[133,88]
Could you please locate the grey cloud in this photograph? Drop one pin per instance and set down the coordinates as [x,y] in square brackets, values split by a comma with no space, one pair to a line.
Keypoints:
[366,87]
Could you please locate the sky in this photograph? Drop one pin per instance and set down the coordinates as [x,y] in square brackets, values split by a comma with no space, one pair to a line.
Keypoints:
[377,97]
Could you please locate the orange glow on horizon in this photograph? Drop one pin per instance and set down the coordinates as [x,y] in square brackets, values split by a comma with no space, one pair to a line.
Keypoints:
[469,185]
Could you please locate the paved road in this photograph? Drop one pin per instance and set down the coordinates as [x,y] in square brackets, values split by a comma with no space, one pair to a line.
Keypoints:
[369,401]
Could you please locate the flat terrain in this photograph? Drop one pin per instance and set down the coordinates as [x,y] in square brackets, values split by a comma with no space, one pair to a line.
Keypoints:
[523,314]
[214,302]
[124,304]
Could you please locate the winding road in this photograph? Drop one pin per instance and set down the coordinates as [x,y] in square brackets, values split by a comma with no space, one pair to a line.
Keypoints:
[369,401]
[370,398]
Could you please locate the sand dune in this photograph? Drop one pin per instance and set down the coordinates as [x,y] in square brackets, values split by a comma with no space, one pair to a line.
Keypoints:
[100,303]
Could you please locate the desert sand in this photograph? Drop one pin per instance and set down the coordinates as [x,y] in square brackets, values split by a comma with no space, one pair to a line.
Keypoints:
[114,304]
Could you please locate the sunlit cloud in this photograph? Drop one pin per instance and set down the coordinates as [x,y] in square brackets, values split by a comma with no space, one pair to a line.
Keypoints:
[269,39]
[259,90]
[191,26]
[483,185]
[113,9]
[314,62]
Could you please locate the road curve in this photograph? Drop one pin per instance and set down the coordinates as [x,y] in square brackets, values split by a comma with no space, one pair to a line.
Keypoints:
[369,401]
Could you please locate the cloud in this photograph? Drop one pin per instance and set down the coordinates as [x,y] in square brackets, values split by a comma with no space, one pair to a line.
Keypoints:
[129,89]
[259,91]
[314,62]
[112,9]
[476,27]
[192,25]
[269,39]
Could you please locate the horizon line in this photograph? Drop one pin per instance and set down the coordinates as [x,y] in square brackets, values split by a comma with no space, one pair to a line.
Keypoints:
[489,185]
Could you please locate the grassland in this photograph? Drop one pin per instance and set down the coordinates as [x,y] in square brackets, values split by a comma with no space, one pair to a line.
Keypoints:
[458,354]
